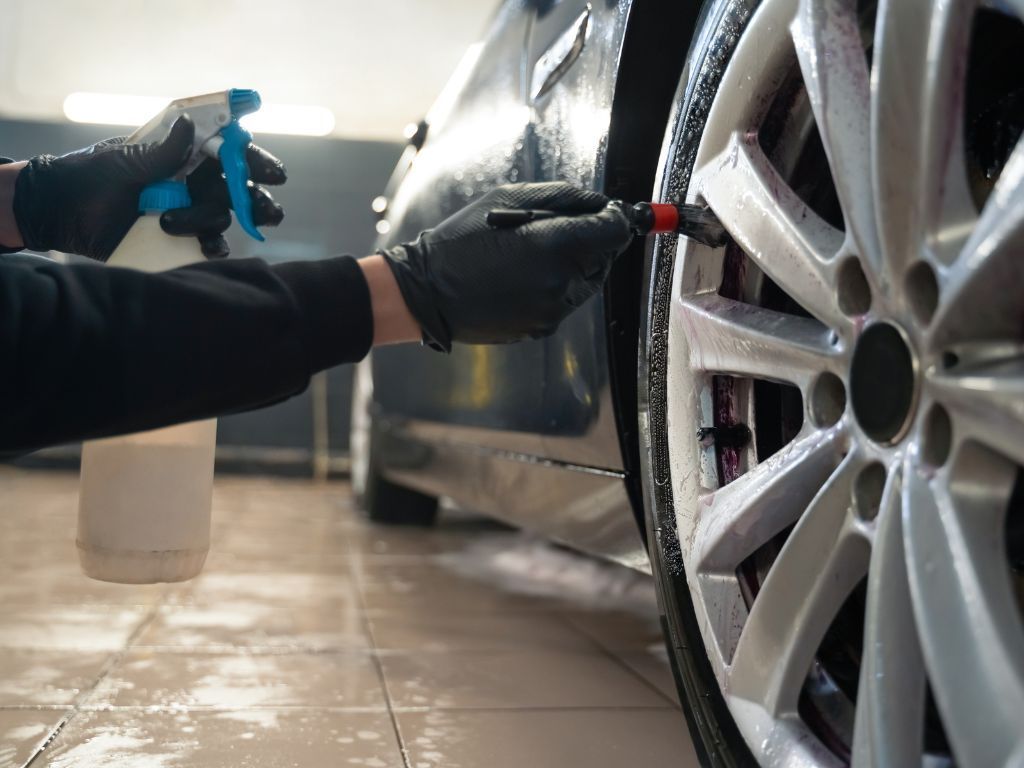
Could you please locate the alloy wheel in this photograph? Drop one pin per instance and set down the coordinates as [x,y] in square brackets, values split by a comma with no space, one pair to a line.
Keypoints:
[896,494]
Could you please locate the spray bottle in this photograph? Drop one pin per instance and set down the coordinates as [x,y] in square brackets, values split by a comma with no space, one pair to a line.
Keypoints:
[145,499]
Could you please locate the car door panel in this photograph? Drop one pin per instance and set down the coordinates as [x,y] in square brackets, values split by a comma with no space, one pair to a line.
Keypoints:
[549,398]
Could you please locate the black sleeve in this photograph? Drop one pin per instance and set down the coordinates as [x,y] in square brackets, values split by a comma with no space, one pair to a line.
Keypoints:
[89,351]
[3,248]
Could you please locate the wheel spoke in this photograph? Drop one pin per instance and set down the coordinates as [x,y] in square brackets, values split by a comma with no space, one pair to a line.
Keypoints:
[964,606]
[787,240]
[986,402]
[921,192]
[821,562]
[835,71]
[730,337]
[890,696]
[982,293]
[748,512]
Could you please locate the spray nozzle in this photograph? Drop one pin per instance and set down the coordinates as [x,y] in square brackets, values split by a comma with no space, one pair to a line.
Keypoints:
[243,101]
[218,134]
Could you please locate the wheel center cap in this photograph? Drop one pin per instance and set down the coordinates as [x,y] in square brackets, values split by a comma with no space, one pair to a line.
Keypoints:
[883,382]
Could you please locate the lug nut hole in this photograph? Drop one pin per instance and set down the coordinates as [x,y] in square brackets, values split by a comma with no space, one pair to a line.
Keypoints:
[867,491]
[854,291]
[828,400]
[937,437]
[922,291]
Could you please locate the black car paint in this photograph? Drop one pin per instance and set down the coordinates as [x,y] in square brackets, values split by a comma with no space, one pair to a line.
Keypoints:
[568,402]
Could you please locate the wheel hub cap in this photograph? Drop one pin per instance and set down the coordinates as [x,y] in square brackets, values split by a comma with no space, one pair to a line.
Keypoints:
[883,383]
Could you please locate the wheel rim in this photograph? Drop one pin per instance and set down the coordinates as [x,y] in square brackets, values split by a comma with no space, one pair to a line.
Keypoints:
[905,488]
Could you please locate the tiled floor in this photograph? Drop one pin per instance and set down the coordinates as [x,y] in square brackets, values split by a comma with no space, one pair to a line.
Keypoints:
[314,639]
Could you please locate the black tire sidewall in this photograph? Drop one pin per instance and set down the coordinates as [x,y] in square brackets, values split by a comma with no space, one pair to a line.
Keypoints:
[714,731]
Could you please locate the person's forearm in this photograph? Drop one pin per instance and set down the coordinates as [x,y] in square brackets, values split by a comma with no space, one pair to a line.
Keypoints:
[10,235]
[392,322]
[90,351]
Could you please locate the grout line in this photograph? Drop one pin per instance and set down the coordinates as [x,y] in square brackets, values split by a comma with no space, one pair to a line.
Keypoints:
[358,581]
[622,663]
[252,650]
[506,710]
[301,708]
[115,659]
[35,707]
[196,708]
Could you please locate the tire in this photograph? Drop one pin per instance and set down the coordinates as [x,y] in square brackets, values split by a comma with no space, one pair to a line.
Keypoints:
[818,598]
[383,501]
[715,736]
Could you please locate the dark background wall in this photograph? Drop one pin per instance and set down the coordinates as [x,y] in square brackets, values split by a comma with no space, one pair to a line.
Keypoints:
[327,204]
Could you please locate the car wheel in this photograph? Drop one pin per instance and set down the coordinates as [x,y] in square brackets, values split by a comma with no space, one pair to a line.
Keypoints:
[383,501]
[835,401]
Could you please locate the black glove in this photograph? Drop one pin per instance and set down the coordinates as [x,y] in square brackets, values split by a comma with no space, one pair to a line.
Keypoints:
[210,213]
[465,281]
[85,202]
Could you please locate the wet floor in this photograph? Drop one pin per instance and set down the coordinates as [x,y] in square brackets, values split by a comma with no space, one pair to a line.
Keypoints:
[315,639]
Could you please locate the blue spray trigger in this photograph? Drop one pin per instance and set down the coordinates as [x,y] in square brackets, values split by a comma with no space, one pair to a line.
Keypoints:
[236,174]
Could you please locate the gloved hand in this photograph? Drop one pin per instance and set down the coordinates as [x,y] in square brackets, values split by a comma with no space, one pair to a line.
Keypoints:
[210,213]
[465,281]
[86,201]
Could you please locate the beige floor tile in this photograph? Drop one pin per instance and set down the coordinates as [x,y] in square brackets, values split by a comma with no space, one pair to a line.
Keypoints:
[236,681]
[63,583]
[328,563]
[22,732]
[47,677]
[264,660]
[376,542]
[654,667]
[66,627]
[619,630]
[273,538]
[484,631]
[41,493]
[549,739]
[26,547]
[272,588]
[513,679]
[430,588]
[255,624]
[281,498]
[204,739]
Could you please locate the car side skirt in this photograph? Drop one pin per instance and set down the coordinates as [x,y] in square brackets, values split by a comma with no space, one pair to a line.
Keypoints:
[582,506]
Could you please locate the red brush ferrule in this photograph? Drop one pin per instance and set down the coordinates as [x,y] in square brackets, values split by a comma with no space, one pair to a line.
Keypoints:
[666,218]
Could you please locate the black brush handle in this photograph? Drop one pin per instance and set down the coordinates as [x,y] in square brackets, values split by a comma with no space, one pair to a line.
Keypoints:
[510,218]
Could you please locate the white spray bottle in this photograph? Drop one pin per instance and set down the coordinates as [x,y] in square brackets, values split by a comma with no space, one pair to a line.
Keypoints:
[145,499]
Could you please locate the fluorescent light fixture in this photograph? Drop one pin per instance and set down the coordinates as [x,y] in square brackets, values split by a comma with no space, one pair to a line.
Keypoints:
[124,109]
[294,119]
[112,108]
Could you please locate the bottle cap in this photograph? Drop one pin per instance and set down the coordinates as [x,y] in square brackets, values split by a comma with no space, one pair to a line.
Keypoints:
[163,196]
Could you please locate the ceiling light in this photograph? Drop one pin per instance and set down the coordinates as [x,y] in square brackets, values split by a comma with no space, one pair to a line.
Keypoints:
[295,119]
[124,109]
[111,108]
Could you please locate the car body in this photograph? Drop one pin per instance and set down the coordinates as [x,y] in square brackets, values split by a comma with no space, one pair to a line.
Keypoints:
[531,433]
